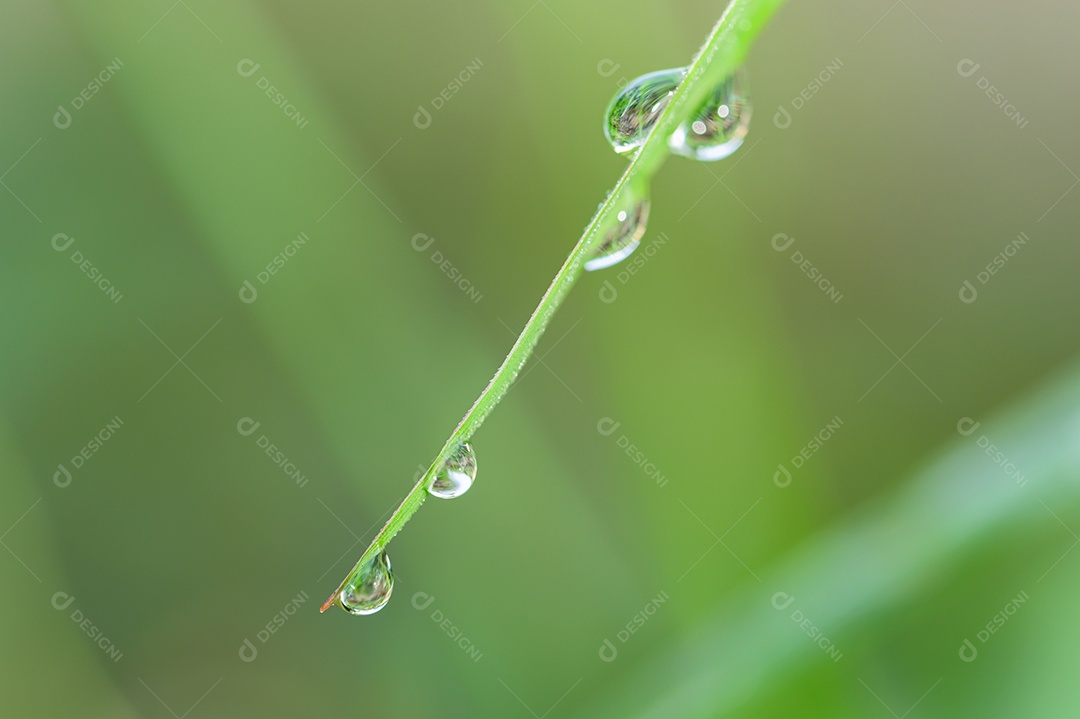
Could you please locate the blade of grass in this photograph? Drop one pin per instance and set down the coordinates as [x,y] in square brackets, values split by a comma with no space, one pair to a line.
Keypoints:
[210,165]
[42,635]
[723,52]
[880,557]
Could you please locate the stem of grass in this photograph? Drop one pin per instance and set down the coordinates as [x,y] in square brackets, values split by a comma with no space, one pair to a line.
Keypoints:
[723,52]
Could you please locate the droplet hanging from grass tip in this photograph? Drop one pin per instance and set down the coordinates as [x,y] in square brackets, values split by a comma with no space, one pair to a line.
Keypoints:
[370,590]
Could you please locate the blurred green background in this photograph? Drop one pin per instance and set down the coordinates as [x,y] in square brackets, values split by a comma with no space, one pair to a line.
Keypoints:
[174,568]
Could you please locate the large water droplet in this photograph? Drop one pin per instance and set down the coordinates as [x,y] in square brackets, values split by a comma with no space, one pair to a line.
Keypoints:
[635,108]
[456,475]
[720,125]
[371,589]
[623,238]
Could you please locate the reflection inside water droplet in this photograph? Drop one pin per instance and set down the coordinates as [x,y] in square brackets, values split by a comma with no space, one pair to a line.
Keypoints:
[624,238]
[456,476]
[635,108]
[719,126]
[370,590]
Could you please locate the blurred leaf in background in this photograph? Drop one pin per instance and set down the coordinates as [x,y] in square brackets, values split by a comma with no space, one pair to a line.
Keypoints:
[230,344]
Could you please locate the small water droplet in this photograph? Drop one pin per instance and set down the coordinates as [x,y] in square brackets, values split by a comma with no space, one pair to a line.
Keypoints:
[456,475]
[624,237]
[371,589]
[720,126]
[635,108]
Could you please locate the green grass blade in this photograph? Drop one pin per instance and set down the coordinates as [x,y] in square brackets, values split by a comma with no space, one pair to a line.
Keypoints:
[883,555]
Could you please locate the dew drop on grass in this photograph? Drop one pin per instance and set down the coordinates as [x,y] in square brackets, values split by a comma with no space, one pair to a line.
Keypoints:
[456,475]
[635,108]
[719,127]
[371,589]
[624,237]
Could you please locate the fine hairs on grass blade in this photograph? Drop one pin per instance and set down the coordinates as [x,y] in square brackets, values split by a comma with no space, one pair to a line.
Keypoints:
[687,118]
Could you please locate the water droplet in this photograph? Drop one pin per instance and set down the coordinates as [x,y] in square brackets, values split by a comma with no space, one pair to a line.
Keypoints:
[371,589]
[456,475]
[635,108]
[624,237]
[720,126]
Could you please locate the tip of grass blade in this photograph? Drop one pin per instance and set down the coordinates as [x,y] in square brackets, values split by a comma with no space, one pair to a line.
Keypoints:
[328,603]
